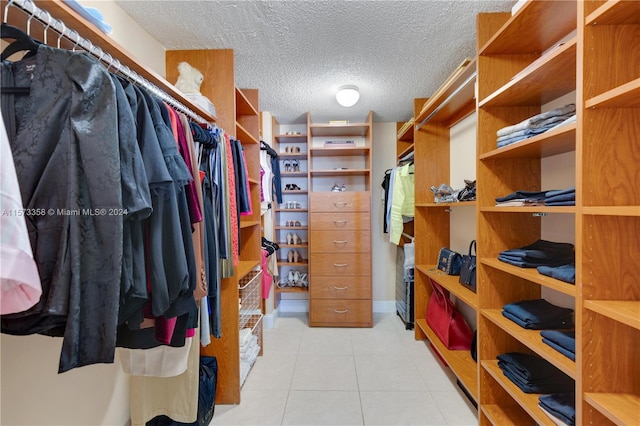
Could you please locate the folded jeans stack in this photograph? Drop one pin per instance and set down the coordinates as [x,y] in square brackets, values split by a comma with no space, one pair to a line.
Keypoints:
[566,273]
[561,197]
[562,341]
[560,407]
[533,374]
[538,314]
[540,253]
[535,125]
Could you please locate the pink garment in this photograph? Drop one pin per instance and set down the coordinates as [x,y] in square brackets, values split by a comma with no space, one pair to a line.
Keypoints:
[19,277]
[233,204]
[267,278]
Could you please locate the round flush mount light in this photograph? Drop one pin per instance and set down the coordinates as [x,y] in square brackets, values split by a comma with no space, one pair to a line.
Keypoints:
[348,96]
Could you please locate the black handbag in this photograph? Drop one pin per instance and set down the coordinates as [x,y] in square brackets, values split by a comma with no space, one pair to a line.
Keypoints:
[449,261]
[468,268]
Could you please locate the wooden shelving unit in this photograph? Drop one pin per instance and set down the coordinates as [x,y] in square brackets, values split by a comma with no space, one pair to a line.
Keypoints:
[238,111]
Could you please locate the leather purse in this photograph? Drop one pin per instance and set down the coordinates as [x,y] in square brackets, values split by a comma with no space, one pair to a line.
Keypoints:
[445,320]
[468,268]
[449,261]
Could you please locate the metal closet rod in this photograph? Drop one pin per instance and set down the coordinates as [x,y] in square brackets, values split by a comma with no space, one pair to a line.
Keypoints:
[72,35]
[446,101]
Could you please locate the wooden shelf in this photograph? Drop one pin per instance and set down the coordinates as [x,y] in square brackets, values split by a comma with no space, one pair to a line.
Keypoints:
[615,12]
[612,211]
[530,209]
[340,152]
[450,282]
[454,100]
[347,172]
[356,129]
[300,246]
[293,174]
[533,340]
[249,223]
[407,151]
[503,415]
[291,138]
[293,228]
[294,192]
[550,143]
[252,181]
[244,267]
[291,210]
[243,106]
[293,156]
[551,76]
[529,402]
[624,96]
[620,408]
[531,274]
[460,362]
[544,22]
[244,135]
[440,205]
[624,311]
[406,133]
[291,289]
[285,262]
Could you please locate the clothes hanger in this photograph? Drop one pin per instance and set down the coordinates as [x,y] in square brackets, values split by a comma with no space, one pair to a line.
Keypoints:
[23,42]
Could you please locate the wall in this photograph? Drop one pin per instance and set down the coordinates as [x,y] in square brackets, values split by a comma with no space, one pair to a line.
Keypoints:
[32,393]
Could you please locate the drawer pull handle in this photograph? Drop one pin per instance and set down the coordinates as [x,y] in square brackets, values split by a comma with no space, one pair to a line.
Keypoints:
[344,311]
[340,265]
[341,223]
[340,204]
[340,288]
[336,242]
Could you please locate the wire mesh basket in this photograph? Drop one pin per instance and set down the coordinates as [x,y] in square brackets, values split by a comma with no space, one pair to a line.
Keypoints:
[250,289]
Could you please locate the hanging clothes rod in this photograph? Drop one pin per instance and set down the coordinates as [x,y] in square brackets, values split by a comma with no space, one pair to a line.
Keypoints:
[49,22]
[411,237]
[446,101]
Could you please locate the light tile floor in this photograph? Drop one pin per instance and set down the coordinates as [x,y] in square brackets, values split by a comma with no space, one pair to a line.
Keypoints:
[347,376]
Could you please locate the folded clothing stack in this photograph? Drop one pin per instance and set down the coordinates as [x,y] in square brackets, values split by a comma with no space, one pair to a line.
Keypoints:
[561,197]
[566,273]
[533,374]
[562,341]
[560,407]
[249,350]
[540,253]
[538,314]
[536,125]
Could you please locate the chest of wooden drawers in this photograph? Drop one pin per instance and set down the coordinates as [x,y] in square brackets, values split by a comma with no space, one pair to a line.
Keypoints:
[340,259]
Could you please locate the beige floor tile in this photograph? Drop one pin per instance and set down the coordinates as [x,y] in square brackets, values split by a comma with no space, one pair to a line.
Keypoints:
[281,341]
[323,408]
[388,373]
[387,408]
[456,408]
[271,372]
[324,372]
[255,408]
[326,341]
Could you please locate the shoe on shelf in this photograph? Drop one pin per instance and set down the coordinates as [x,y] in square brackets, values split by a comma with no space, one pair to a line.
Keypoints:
[343,188]
[303,282]
[294,187]
[295,238]
[335,188]
[296,223]
[296,278]
[295,166]
[296,256]
[290,256]
[290,238]
[290,278]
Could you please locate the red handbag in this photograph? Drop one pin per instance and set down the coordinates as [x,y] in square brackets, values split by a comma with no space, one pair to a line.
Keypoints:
[446,322]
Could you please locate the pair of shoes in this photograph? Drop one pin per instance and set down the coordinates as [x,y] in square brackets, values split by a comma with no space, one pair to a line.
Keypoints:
[297,279]
[293,223]
[338,188]
[287,166]
[292,187]
[295,166]
[293,238]
[294,256]
[292,205]
[292,150]
[292,133]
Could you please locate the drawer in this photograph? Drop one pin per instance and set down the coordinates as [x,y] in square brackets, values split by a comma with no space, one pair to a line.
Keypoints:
[331,202]
[348,241]
[348,220]
[339,264]
[340,287]
[340,313]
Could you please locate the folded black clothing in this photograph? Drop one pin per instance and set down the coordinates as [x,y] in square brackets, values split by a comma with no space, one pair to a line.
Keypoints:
[566,273]
[536,263]
[541,249]
[531,368]
[561,405]
[563,338]
[536,311]
[562,322]
[555,192]
[543,386]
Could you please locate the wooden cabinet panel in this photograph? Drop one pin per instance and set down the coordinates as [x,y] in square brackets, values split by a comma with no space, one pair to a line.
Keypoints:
[340,287]
[340,264]
[340,202]
[349,241]
[340,312]
[322,221]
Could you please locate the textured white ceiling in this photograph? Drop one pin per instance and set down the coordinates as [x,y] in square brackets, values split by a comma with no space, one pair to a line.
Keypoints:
[297,53]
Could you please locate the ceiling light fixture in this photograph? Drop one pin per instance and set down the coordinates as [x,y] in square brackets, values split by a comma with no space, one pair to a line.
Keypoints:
[348,96]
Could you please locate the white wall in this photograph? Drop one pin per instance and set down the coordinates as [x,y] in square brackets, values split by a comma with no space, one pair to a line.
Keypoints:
[32,392]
